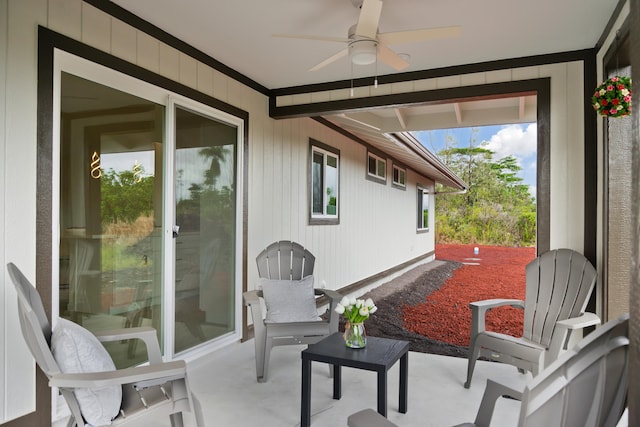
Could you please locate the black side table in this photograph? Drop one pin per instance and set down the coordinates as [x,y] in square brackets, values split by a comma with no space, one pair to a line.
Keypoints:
[379,355]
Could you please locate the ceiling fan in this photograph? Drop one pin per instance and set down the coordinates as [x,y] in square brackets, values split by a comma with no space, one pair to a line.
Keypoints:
[365,45]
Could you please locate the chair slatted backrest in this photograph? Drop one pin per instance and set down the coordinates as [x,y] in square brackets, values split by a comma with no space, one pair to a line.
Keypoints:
[34,323]
[587,386]
[559,283]
[285,260]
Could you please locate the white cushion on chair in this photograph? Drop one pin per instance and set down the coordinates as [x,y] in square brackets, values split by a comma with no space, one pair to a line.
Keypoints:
[77,350]
[289,300]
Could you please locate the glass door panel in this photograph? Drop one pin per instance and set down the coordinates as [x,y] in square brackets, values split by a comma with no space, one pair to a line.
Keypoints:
[205,237]
[110,211]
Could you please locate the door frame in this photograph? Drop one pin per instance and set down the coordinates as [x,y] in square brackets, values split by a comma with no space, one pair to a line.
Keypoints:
[50,42]
[67,62]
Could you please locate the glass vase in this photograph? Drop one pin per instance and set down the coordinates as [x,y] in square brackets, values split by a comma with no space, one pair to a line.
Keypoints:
[355,336]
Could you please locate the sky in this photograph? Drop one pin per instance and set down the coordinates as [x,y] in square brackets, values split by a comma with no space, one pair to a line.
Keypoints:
[517,140]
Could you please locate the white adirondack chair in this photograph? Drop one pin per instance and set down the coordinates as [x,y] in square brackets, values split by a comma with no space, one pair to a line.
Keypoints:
[585,387]
[558,286]
[286,261]
[161,388]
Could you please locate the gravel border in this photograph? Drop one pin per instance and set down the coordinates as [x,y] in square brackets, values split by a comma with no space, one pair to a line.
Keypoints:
[411,288]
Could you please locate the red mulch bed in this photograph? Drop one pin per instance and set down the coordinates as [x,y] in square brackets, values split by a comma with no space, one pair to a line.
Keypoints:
[445,315]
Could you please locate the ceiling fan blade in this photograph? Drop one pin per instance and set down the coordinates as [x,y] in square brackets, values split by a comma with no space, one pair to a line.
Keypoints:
[369,18]
[318,38]
[420,35]
[391,58]
[330,59]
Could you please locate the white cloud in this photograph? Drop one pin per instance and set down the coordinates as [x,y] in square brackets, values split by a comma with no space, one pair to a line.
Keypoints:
[513,140]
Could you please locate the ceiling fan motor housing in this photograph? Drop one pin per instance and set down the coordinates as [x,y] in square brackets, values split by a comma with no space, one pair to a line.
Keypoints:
[363,51]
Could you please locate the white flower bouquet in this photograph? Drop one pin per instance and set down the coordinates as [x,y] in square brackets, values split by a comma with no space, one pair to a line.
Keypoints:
[356,310]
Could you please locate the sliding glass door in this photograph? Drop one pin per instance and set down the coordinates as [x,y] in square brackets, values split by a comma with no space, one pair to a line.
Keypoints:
[111,179]
[205,195]
[148,214]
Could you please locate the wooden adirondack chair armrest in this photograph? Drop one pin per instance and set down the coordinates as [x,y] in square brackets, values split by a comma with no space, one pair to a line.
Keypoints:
[480,308]
[492,392]
[147,375]
[146,334]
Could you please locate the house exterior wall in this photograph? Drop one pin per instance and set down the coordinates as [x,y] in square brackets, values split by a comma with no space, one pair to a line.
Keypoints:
[377,223]
[377,228]
[566,132]
[18,194]
[356,248]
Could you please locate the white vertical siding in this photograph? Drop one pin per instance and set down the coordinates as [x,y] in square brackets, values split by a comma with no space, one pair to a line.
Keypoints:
[123,41]
[17,194]
[4,300]
[169,62]
[65,17]
[377,227]
[96,28]
[147,52]
[566,139]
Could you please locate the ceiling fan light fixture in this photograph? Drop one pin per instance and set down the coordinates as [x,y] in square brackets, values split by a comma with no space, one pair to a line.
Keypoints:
[363,52]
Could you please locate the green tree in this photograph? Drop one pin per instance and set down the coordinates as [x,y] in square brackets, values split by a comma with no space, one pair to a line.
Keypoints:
[497,209]
[216,155]
[125,197]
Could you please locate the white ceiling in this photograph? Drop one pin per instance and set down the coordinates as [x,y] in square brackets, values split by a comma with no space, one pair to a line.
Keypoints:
[239,33]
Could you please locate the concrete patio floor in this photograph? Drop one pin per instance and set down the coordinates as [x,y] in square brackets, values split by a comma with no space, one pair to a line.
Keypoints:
[226,387]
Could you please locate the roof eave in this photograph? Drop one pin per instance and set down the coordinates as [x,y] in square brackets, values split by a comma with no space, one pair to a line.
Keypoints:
[443,175]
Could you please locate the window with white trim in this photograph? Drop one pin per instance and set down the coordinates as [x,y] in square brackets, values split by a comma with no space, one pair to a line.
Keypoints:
[423,209]
[325,174]
[399,176]
[376,168]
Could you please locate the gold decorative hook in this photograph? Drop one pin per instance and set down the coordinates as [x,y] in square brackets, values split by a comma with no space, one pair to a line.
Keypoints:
[96,172]
[137,172]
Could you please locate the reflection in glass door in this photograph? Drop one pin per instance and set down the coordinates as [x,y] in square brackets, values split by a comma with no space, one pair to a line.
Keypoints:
[205,237]
[111,146]
[123,182]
